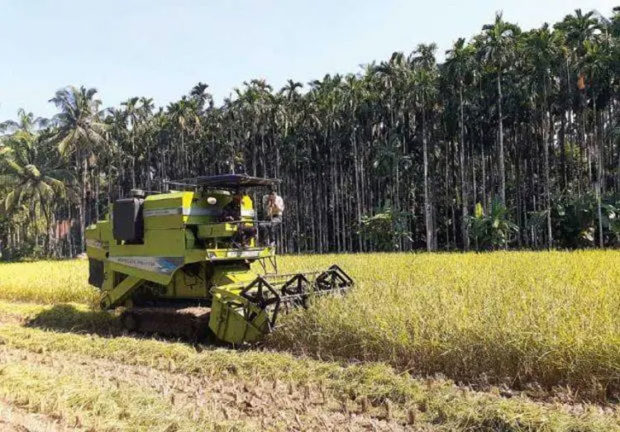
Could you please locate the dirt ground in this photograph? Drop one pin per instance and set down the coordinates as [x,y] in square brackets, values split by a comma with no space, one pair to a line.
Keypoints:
[15,419]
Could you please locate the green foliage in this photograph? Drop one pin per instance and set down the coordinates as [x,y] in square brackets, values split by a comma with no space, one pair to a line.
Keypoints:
[576,221]
[32,172]
[526,115]
[493,230]
[385,228]
[79,129]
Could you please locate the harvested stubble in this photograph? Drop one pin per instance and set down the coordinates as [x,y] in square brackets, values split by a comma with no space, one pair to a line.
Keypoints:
[61,374]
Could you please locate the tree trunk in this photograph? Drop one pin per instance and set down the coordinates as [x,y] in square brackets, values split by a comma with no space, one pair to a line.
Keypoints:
[427,205]
[599,176]
[502,173]
[83,204]
[133,161]
[70,232]
[546,125]
[484,178]
[464,215]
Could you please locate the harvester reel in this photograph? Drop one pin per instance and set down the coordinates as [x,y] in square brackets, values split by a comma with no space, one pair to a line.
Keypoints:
[295,290]
[333,278]
[262,294]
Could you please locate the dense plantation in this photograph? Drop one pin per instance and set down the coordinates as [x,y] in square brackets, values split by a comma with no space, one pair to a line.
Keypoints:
[512,141]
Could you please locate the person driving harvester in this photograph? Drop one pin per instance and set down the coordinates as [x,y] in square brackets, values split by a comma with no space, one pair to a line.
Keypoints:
[231,213]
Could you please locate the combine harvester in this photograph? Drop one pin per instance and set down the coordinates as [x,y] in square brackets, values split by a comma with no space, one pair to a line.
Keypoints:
[180,265]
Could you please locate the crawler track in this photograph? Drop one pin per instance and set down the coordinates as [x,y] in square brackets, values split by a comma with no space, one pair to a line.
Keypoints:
[191,323]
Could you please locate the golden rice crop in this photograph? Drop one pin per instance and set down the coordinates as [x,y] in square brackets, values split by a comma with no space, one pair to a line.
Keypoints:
[549,318]
[47,282]
[522,318]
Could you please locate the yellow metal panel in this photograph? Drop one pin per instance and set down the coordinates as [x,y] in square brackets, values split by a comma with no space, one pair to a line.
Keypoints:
[105,231]
[170,242]
[160,278]
[116,295]
[186,285]
[216,230]
[96,246]
[164,211]
[164,200]
[96,253]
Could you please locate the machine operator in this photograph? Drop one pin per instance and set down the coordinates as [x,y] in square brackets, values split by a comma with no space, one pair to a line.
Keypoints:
[231,213]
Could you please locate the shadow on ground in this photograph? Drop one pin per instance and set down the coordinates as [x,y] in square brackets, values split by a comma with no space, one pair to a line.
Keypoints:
[68,318]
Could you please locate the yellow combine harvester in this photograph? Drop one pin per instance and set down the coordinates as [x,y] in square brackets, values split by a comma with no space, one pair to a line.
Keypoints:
[180,263]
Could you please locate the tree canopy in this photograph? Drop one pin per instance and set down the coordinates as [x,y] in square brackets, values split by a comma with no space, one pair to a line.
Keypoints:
[512,142]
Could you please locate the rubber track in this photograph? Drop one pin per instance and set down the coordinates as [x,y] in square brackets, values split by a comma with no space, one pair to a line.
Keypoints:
[187,322]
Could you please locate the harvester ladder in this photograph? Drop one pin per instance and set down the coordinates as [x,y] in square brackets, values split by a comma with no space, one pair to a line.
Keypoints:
[120,292]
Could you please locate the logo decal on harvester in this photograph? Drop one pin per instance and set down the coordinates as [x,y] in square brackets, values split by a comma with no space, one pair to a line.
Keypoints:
[193,211]
[244,254]
[247,213]
[94,243]
[163,265]
[163,212]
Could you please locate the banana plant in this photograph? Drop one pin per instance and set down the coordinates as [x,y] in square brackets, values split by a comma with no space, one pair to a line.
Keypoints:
[576,221]
[493,230]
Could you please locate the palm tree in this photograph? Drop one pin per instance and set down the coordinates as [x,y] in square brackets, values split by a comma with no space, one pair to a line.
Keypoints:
[131,115]
[458,67]
[199,93]
[597,67]
[424,79]
[499,39]
[534,115]
[541,50]
[26,121]
[79,133]
[184,116]
[145,116]
[578,29]
[34,177]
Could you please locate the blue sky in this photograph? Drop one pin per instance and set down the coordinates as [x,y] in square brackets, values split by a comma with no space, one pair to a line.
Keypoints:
[161,49]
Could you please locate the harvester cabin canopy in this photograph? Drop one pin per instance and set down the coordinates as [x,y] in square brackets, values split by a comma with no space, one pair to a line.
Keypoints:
[225,181]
